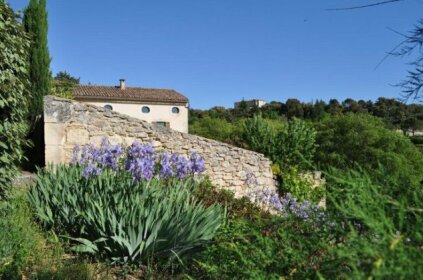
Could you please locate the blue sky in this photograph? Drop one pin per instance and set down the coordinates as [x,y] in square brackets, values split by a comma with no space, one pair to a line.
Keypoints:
[218,51]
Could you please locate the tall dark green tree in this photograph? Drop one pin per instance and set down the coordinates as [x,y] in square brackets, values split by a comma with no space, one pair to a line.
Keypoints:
[35,22]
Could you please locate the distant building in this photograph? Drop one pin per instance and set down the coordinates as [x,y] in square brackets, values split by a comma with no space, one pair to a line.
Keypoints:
[254,103]
[161,107]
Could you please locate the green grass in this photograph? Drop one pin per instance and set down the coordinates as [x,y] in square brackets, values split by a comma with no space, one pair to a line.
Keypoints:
[22,244]
[25,250]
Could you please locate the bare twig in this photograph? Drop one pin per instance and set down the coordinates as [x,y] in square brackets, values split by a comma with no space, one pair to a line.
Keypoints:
[364,6]
[389,53]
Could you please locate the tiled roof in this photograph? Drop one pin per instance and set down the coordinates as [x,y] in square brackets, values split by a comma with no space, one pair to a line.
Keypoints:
[138,94]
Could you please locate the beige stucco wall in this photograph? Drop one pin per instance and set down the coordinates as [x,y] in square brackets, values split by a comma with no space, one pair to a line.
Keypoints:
[158,113]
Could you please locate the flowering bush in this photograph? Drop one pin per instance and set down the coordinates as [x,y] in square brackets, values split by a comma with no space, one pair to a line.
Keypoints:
[119,203]
[139,160]
[115,217]
[287,205]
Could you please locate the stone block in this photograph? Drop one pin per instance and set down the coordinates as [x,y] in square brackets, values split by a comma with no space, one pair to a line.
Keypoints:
[157,144]
[77,136]
[50,118]
[96,140]
[115,139]
[127,141]
[53,154]
[54,133]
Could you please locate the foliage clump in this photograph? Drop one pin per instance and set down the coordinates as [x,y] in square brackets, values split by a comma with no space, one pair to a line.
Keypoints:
[291,148]
[62,85]
[376,233]
[14,96]
[24,247]
[347,140]
[364,233]
[130,208]
[293,145]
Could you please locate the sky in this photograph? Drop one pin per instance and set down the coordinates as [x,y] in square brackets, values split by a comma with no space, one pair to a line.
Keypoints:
[217,52]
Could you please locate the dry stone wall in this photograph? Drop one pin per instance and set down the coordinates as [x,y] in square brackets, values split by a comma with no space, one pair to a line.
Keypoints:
[69,123]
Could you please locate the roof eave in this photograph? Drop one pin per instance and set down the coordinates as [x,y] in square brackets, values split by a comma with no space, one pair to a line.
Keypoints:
[127,100]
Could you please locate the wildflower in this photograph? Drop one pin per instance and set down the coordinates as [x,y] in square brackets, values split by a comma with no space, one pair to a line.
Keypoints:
[91,169]
[251,179]
[75,154]
[288,205]
[141,161]
[197,163]
[166,167]
[182,165]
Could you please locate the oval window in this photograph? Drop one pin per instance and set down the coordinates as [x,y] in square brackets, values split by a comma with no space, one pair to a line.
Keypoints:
[145,110]
[175,110]
[108,107]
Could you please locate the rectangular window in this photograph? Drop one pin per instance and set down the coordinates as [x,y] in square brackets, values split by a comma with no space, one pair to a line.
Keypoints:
[162,124]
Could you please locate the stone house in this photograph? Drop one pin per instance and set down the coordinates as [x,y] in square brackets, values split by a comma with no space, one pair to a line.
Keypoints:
[160,107]
[254,103]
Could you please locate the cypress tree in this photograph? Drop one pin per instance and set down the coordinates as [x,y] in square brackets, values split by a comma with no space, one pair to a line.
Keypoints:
[35,22]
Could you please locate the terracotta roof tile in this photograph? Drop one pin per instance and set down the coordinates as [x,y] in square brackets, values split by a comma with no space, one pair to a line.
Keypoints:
[128,94]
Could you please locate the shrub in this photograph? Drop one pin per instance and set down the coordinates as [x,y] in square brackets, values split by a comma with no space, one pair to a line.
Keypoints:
[296,145]
[376,235]
[235,208]
[23,246]
[13,95]
[117,210]
[259,136]
[418,140]
[263,248]
[212,128]
[256,245]
[364,234]
[300,185]
[351,139]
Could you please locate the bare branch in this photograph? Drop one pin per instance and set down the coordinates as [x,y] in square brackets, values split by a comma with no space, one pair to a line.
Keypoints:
[364,6]
[397,32]
[388,54]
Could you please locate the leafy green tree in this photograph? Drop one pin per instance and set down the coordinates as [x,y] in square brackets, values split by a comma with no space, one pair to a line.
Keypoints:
[296,144]
[212,128]
[365,106]
[35,22]
[318,110]
[243,110]
[413,120]
[347,140]
[290,145]
[391,110]
[63,84]
[271,110]
[294,108]
[334,107]
[350,105]
[259,136]
[64,76]
[13,95]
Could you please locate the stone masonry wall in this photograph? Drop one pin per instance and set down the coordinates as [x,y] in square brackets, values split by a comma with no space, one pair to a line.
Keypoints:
[68,123]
